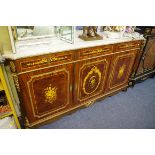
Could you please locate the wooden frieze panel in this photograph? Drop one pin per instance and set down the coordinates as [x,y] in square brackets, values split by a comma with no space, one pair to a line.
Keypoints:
[94,51]
[27,64]
[127,46]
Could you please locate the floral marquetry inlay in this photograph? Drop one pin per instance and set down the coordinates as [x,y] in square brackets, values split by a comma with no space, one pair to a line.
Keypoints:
[92,80]
[58,58]
[50,94]
[12,66]
[121,71]
[38,62]
[97,51]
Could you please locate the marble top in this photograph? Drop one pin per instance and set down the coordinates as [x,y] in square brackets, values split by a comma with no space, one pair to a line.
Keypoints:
[52,45]
[2,59]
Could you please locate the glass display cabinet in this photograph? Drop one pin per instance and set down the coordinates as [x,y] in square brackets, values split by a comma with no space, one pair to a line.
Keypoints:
[65,33]
[33,35]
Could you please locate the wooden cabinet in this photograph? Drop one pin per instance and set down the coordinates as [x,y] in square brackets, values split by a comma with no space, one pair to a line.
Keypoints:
[54,84]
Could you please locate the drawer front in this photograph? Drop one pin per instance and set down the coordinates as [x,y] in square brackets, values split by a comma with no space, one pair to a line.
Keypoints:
[127,46]
[37,62]
[94,51]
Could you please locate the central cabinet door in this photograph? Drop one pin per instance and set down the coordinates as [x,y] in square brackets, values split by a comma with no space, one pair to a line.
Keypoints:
[90,78]
[46,93]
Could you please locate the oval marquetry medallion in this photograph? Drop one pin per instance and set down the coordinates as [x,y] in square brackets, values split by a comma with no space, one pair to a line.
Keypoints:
[92,80]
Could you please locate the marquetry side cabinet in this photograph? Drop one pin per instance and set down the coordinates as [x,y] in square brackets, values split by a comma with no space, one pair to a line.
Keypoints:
[55,84]
[146,60]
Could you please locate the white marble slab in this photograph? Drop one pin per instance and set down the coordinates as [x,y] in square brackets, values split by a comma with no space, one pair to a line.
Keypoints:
[1,59]
[52,45]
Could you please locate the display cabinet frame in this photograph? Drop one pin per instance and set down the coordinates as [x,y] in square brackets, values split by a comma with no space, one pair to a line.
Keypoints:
[14,36]
[5,87]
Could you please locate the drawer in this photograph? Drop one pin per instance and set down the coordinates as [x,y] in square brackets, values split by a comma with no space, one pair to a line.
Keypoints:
[42,61]
[127,45]
[94,51]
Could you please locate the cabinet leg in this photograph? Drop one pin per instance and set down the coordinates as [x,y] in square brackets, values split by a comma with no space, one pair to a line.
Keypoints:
[131,84]
[89,103]
[124,90]
[152,76]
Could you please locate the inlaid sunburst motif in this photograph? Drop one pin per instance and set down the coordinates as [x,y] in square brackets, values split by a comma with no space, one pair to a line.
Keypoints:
[50,94]
[121,71]
[92,81]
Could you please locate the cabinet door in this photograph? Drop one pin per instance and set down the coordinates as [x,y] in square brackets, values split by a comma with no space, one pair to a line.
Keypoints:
[149,54]
[46,93]
[120,70]
[147,61]
[90,78]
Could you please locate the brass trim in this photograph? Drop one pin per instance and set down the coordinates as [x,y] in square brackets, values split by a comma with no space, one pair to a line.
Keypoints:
[26,120]
[58,58]
[40,61]
[16,82]
[95,51]
[127,45]
[23,72]
[145,74]
[89,103]
[12,66]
